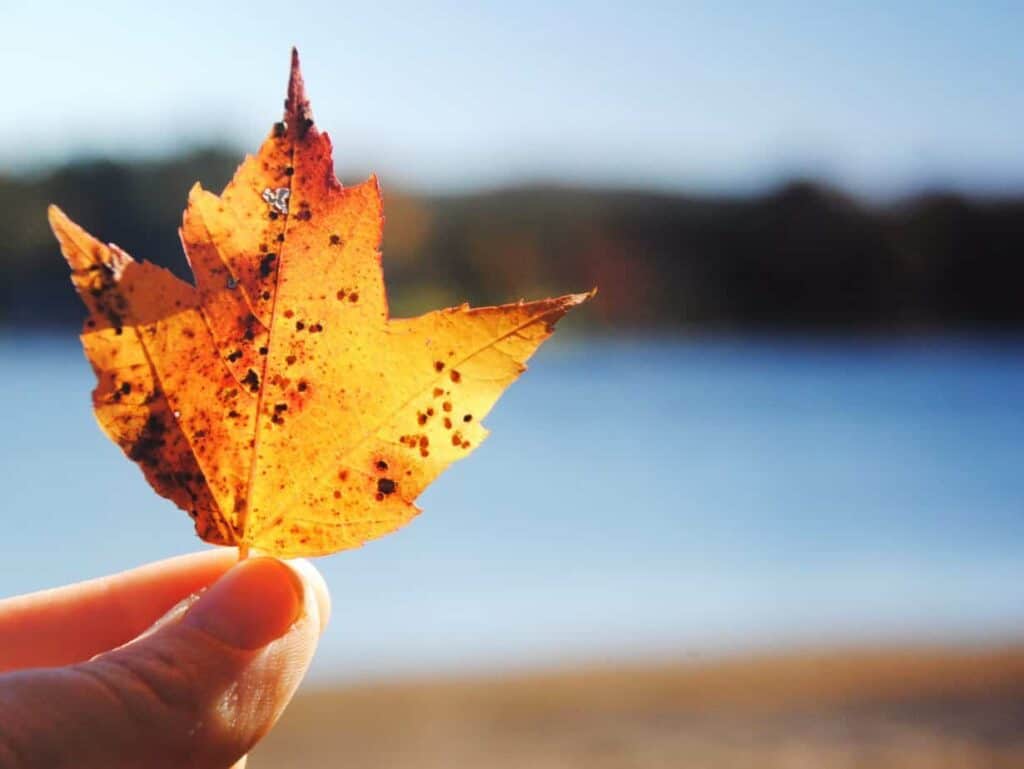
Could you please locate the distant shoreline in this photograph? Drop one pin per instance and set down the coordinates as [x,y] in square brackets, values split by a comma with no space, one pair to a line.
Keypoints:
[798,256]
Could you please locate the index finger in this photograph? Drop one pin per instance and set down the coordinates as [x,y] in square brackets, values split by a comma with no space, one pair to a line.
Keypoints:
[71,624]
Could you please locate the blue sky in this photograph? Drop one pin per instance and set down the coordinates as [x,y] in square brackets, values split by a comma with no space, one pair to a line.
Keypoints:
[882,98]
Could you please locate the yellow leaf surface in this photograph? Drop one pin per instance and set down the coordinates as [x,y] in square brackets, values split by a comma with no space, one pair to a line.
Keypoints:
[275,400]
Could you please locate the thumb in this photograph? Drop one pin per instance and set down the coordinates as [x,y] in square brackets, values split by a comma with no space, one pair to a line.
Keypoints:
[198,689]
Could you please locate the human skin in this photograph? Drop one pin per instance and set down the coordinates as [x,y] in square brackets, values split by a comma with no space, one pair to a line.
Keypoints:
[183,662]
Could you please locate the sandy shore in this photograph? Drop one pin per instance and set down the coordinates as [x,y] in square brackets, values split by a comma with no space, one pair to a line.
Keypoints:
[906,708]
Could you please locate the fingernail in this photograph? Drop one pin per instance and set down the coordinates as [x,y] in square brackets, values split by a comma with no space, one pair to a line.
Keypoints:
[250,606]
[313,582]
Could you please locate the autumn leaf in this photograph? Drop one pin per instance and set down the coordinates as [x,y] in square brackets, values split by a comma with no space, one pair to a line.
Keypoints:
[275,400]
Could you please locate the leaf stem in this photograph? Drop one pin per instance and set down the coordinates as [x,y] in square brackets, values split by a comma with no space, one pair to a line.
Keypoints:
[243,551]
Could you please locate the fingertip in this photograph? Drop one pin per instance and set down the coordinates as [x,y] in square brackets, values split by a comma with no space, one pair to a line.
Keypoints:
[250,606]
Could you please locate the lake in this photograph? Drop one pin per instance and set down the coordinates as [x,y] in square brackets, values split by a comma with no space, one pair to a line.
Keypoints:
[636,498]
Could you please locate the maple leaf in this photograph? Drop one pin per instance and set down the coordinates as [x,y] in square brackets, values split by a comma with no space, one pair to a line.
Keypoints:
[275,400]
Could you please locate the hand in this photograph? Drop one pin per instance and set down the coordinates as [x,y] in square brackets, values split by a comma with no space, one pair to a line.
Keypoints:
[88,680]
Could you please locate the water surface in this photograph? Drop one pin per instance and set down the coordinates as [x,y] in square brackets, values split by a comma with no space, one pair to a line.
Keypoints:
[636,497]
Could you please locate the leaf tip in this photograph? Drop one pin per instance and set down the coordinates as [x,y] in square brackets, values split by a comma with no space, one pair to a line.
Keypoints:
[61,225]
[296,106]
[572,300]
[55,216]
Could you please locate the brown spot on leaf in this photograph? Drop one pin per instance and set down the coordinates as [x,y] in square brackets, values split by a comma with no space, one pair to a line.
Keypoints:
[252,380]
[250,327]
[267,265]
[148,448]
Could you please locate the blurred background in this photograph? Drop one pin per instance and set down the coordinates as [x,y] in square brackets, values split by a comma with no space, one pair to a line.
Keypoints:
[761,503]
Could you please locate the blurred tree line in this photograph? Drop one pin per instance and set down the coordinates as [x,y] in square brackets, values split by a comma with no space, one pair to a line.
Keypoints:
[801,256]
